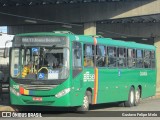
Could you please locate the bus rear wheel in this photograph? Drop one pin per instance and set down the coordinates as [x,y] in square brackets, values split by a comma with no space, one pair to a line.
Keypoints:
[137,97]
[85,105]
[131,98]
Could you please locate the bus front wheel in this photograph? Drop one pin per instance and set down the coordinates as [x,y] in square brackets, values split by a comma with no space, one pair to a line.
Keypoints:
[85,105]
[131,98]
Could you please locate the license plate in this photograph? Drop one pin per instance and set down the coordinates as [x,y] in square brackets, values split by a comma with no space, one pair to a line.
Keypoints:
[37,98]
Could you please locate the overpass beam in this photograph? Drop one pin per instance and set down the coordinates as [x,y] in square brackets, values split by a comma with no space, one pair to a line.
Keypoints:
[157,44]
[90,28]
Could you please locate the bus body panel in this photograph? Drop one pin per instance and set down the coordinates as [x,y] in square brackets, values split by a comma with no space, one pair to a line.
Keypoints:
[46,97]
[112,84]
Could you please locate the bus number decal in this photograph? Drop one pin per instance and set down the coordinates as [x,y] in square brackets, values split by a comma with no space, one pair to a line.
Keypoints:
[143,74]
[16,86]
[88,77]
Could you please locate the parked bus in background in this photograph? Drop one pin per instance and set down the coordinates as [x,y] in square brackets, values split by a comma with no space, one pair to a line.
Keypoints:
[63,69]
[4,62]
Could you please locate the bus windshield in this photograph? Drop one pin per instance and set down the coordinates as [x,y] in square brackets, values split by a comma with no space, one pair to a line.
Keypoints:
[40,63]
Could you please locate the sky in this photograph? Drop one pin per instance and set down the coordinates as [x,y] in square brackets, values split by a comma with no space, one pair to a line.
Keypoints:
[3,29]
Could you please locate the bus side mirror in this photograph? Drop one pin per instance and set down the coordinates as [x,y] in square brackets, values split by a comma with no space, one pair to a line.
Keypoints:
[6,52]
[78,54]
[6,49]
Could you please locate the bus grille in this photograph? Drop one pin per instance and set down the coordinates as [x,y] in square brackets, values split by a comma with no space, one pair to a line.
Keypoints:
[38,87]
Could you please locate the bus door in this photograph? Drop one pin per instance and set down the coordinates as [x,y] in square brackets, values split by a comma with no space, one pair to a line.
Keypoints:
[83,76]
[88,62]
[77,65]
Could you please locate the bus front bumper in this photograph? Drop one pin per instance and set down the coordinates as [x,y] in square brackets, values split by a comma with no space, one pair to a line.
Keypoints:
[38,100]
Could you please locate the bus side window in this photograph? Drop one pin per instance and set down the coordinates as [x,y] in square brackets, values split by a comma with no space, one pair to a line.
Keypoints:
[88,55]
[131,58]
[15,62]
[106,57]
[121,52]
[100,55]
[112,57]
[152,59]
[147,59]
[77,54]
[139,58]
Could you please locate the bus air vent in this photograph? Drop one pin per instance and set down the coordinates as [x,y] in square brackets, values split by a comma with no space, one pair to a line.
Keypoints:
[38,87]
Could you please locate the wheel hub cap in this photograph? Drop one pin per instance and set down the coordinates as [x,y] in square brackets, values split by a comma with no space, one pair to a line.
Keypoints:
[85,102]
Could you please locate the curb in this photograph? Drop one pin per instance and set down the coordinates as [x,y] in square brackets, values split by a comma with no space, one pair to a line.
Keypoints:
[6,108]
[155,97]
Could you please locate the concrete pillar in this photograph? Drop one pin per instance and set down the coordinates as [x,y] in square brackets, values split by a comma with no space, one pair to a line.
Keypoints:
[90,28]
[157,44]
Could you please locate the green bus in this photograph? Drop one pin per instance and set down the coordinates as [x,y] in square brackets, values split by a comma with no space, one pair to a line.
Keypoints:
[65,70]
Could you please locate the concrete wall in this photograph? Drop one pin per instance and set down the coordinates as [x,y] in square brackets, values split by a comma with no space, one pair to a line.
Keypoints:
[90,28]
[157,44]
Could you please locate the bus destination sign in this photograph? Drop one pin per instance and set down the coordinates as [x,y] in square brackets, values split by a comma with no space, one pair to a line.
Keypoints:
[40,41]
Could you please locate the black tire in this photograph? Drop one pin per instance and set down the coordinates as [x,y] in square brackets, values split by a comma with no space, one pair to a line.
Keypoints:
[137,97]
[85,105]
[121,104]
[131,98]
[20,108]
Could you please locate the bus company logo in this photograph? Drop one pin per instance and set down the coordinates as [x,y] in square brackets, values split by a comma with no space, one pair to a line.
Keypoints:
[6,114]
[88,77]
[143,73]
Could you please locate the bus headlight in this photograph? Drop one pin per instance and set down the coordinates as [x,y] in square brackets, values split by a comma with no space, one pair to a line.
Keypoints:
[63,92]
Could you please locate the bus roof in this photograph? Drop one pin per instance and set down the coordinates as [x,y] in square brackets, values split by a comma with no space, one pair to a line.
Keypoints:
[44,34]
[89,39]
[118,43]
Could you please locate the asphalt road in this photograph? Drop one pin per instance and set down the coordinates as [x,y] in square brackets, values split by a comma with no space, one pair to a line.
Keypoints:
[146,109]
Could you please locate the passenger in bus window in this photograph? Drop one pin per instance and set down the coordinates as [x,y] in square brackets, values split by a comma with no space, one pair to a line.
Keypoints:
[121,57]
[147,61]
[112,56]
[100,56]
[139,59]
[131,58]
[88,58]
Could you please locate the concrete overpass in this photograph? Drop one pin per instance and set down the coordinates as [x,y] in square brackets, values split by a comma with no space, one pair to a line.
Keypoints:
[111,18]
[87,12]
